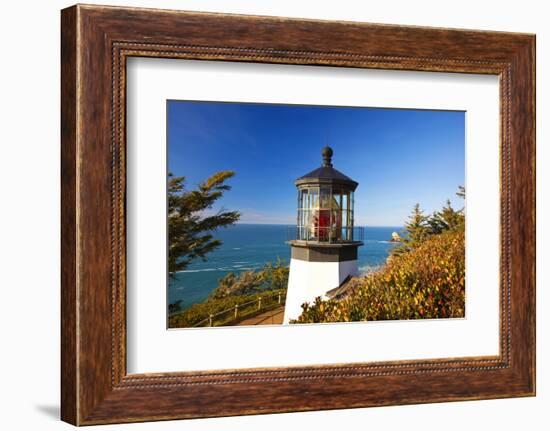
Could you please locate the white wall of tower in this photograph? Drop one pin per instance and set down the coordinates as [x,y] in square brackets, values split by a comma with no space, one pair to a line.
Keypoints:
[308,280]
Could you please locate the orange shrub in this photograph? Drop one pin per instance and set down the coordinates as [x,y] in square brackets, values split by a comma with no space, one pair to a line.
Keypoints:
[427,282]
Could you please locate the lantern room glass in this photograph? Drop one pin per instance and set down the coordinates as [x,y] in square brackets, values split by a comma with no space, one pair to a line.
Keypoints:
[325,214]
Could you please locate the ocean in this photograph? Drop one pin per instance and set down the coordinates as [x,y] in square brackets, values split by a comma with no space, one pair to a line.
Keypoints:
[249,247]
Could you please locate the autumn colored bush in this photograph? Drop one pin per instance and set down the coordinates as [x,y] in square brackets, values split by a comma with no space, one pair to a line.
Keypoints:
[425,282]
[271,277]
[243,289]
[222,309]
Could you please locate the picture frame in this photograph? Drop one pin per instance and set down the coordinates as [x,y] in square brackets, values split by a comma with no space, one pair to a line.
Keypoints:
[96,42]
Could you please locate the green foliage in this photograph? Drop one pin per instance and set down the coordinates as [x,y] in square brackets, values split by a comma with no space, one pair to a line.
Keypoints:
[175,306]
[245,283]
[424,278]
[275,276]
[426,282]
[416,231]
[189,230]
[222,309]
[270,277]
[446,219]
[420,227]
[233,289]
[199,312]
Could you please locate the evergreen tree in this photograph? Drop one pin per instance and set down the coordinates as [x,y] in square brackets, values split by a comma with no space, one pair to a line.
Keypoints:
[175,306]
[446,219]
[419,227]
[189,229]
[270,277]
[416,227]
[461,192]
[275,276]
[416,231]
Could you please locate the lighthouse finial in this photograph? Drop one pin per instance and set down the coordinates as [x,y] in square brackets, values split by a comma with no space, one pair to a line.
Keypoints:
[327,156]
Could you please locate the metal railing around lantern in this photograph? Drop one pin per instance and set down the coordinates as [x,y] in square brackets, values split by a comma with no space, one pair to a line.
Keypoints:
[326,235]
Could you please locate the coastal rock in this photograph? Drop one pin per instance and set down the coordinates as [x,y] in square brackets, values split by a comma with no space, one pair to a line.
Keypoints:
[395,237]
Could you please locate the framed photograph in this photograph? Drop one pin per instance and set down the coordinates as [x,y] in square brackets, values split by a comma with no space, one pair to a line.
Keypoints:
[323,214]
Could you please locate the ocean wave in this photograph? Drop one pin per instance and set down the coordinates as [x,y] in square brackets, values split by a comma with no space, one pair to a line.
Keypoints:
[222,269]
[203,270]
[369,269]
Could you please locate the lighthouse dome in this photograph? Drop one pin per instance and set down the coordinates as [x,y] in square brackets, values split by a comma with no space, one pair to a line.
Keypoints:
[327,174]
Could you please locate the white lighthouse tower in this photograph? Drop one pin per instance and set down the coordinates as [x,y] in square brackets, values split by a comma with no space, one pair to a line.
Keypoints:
[324,253]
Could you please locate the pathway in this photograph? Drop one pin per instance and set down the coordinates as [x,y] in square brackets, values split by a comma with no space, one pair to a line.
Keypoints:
[271,317]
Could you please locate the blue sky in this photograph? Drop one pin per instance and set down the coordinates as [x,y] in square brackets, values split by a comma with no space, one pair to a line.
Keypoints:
[399,157]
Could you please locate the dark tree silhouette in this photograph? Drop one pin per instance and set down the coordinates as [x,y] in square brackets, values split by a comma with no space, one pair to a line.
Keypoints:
[189,228]
[420,227]
[446,219]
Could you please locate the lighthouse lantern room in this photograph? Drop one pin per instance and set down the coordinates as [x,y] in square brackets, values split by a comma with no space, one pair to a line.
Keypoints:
[324,251]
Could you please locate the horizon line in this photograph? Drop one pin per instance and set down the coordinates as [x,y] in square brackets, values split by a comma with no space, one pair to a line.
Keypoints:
[293,224]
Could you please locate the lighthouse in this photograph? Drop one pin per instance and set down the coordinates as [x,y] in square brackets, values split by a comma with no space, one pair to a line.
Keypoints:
[324,251]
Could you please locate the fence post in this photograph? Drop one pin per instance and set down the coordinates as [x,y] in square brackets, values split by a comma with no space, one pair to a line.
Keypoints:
[259,302]
[210,320]
[236,310]
[279,300]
